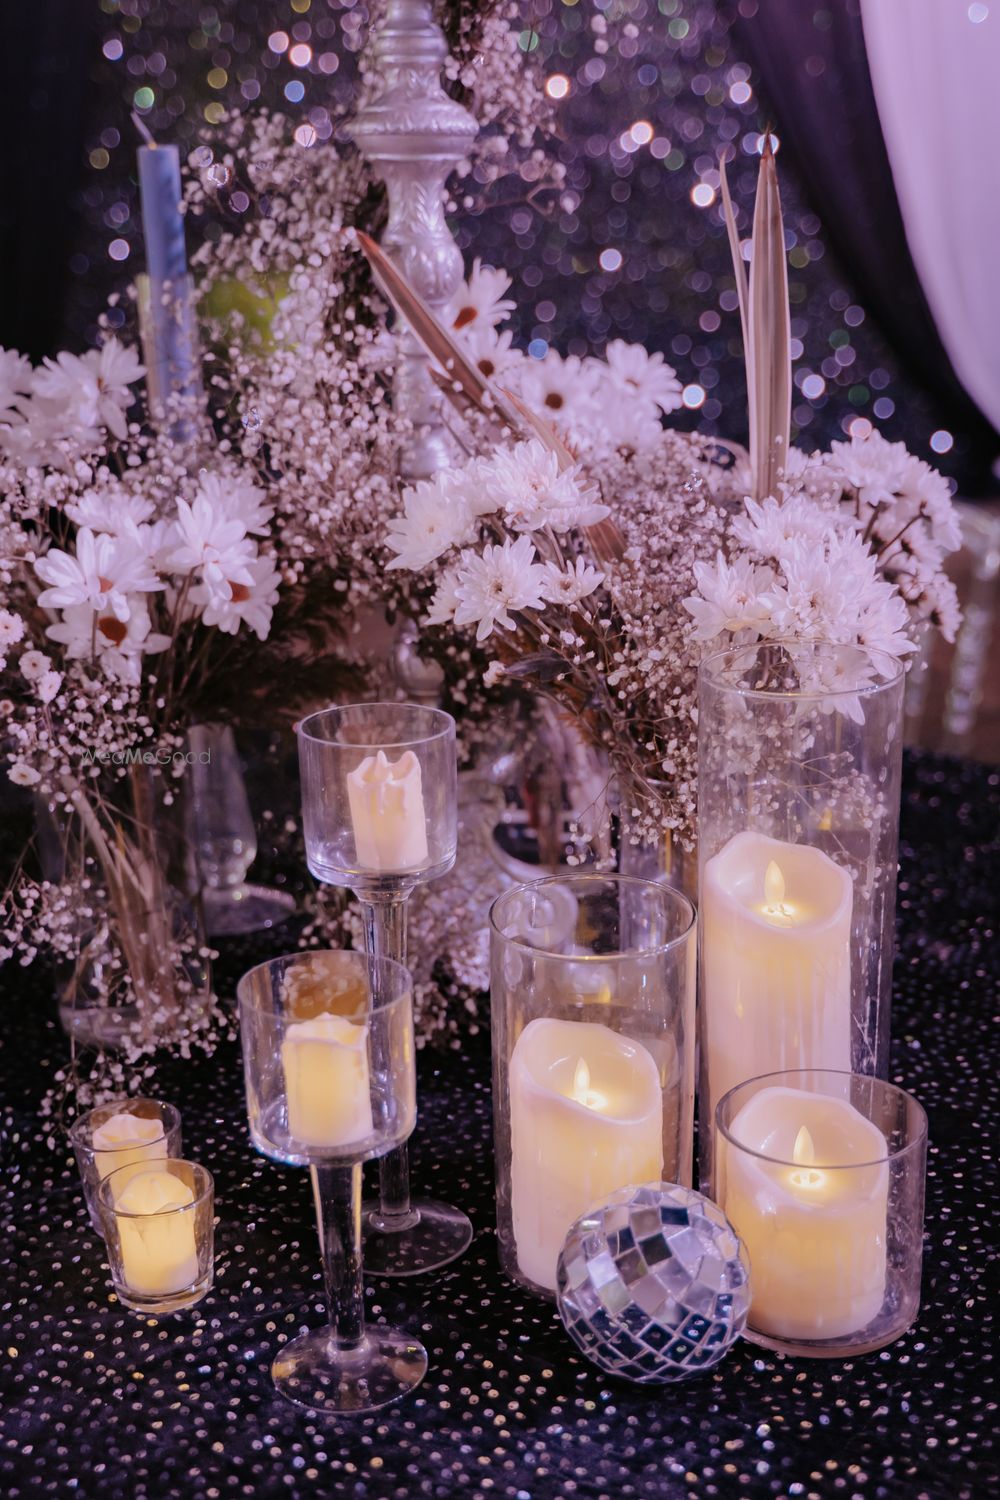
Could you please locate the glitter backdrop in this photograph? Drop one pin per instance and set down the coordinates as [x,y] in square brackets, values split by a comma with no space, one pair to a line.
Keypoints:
[648,92]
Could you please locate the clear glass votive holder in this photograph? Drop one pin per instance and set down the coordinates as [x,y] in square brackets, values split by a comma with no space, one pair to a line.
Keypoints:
[118,1133]
[379,796]
[593,1019]
[822,1174]
[159,1227]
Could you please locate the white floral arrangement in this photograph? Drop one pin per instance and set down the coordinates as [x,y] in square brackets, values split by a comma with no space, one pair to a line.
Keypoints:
[524,587]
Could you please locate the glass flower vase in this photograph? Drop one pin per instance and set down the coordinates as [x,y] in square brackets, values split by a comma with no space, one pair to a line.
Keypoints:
[592,995]
[799,766]
[131,967]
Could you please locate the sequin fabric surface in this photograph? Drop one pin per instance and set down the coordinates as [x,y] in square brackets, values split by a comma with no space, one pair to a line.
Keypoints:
[98,1401]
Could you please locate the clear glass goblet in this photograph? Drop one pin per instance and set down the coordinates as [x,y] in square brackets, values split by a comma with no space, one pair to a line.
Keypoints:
[328,1058]
[225,839]
[380,809]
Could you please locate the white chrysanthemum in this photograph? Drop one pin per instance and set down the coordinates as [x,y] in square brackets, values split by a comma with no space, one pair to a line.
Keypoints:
[104,571]
[489,586]
[481,299]
[96,384]
[837,594]
[15,378]
[770,525]
[34,665]
[441,610]
[435,518]
[643,376]
[253,603]
[11,628]
[731,596]
[109,510]
[570,585]
[526,484]
[213,544]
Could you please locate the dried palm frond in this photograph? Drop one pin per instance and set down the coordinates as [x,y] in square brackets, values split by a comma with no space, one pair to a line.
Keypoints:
[766,323]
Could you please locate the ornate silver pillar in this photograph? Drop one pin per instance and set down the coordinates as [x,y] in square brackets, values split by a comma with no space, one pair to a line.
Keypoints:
[413,135]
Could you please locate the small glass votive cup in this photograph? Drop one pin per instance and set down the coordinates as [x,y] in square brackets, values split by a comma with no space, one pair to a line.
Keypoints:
[159,1227]
[132,1130]
[821,1173]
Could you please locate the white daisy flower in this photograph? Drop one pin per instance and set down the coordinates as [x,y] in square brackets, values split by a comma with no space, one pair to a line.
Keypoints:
[504,578]
[731,596]
[96,383]
[563,390]
[481,299]
[620,420]
[102,573]
[22,775]
[491,351]
[253,603]
[435,518]
[644,376]
[570,585]
[34,665]
[213,543]
[109,510]
[526,484]
[118,644]
[11,628]
[237,498]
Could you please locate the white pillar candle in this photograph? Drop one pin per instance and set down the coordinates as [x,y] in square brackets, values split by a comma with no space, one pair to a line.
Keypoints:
[158,1247]
[814,1221]
[327,1082]
[586,1118]
[387,811]
[776,954]
[124,1139]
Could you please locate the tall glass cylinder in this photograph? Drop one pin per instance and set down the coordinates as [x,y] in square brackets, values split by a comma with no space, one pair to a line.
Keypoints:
[799,765]
[593,1002]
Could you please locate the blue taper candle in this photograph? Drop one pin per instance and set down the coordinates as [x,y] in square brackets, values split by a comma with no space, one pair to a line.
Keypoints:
[170,339]
[162,221]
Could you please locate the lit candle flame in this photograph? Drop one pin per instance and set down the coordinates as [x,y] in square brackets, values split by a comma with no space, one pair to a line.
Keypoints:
[804,1154]
[582,1092]
[774,892]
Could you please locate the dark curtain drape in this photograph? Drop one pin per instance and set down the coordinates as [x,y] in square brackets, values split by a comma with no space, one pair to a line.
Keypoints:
[46,60]
[814,71]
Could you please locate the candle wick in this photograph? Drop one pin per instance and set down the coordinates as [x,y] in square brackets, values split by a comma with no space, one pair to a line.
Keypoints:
[143,129]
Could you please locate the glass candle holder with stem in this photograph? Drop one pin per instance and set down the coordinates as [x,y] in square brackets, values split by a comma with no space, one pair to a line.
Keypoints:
[380,810]
[328,1057]
[225,839]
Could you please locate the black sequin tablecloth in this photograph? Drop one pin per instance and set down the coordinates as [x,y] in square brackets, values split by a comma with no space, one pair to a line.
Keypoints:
[95,1400]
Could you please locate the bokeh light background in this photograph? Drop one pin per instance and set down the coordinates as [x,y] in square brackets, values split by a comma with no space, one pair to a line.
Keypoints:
[648,92]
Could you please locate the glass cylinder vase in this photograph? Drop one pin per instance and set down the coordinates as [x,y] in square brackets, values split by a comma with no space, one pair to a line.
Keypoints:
[593,1004]
[799,760]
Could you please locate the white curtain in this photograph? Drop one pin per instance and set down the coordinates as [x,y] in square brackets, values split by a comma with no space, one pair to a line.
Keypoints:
[935,67]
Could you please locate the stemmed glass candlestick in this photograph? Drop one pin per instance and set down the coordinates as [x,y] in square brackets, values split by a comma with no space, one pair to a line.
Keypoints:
[380,809]
[328,1059]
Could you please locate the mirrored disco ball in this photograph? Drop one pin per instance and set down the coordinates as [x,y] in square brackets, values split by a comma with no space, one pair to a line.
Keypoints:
[655,1284]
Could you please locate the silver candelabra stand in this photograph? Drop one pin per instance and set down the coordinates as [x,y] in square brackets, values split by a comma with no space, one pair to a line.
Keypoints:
[413,135]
